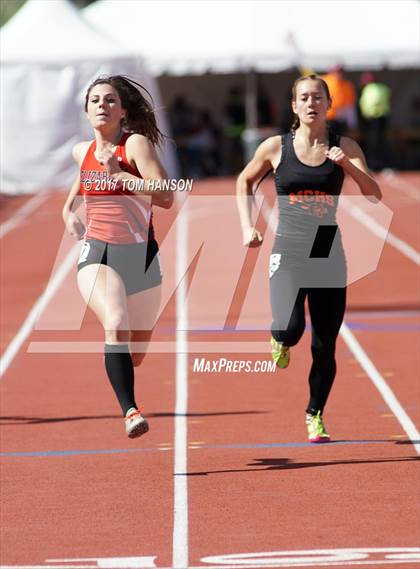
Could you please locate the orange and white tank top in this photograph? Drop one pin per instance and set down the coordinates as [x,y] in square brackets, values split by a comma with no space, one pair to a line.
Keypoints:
[113,213]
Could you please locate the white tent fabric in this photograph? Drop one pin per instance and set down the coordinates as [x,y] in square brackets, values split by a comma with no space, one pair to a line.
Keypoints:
[184,37]
[49,55]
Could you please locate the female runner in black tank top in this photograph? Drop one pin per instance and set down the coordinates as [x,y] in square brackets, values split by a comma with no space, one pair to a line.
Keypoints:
[308,260]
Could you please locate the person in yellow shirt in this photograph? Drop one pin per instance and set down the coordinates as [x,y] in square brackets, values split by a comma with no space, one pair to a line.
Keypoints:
[375,110]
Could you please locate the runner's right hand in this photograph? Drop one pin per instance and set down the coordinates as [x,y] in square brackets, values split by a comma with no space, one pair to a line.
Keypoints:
[74,226]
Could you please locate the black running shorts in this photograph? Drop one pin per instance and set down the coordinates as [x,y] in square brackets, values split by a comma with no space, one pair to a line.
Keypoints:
[136,263]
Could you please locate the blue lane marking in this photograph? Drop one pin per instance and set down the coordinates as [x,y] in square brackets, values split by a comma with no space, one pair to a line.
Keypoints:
[56,453]
[74,452]
[291,445]
[383,327]
[352,324]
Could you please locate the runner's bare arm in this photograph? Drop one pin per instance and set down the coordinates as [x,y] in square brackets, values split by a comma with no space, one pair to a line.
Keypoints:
[73,224]
[351,158]
[263,161]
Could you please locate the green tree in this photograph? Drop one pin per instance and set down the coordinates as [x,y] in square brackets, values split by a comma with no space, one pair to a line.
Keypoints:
[8,8]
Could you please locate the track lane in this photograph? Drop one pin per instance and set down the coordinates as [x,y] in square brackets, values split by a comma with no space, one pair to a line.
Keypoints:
[82,492]
[230,503]
[28,255]
[260,499]
[253,479]
[93,502]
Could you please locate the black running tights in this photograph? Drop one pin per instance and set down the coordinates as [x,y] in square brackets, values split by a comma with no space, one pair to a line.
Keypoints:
[326,309]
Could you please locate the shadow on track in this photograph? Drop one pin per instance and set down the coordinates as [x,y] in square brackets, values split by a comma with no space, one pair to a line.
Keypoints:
[264,464]
[21,420]
[210,414]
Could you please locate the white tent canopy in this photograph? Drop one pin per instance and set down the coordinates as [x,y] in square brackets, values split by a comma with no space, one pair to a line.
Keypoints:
[43,32]
[184,37]
[49,55]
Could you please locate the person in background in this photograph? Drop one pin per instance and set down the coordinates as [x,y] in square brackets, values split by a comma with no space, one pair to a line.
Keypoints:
[375,110]
[234,125]
[265,108]
[181,116]
[342,115]
[203,146]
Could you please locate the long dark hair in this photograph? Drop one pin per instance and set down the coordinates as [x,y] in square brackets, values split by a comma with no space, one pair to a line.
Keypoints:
[140,115]
[314,77]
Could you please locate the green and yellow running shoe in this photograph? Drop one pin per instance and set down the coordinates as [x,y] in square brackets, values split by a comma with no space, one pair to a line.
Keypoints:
[280,353]
[316,429]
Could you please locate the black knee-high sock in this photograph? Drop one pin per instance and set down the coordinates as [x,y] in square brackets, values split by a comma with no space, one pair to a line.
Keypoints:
[119,368]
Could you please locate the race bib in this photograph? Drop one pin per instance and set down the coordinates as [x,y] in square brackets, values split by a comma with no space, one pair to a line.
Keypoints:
[274,263]
[84,252]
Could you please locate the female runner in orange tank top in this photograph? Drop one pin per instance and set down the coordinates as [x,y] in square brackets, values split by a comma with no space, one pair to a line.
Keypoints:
[118,270]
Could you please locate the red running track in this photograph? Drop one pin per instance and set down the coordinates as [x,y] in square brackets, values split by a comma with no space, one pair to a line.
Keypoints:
[73,487]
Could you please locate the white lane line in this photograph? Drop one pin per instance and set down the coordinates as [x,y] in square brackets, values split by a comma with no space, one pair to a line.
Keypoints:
[26,328]
[180,531]
[261,559]
[378,230]
[143,562]
[382,386]
[20,215]
[278,564]
[394,182]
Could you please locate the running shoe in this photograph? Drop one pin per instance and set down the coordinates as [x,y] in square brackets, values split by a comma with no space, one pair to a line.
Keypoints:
[135,424]
[316,429]
[280,353]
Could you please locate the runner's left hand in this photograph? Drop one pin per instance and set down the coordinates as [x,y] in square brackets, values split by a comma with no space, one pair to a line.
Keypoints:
[336,155]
